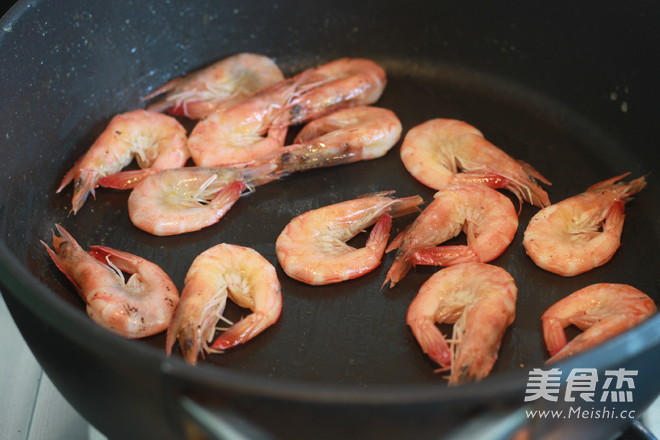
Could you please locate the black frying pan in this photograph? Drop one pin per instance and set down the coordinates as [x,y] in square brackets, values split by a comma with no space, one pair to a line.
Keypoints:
[557,86]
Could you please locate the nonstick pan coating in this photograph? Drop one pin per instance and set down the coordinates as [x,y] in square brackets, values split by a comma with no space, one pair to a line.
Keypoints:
[577,122]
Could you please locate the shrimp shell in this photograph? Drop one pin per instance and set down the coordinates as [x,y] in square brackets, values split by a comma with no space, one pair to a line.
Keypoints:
[156,141]
[487,217]
[221,85]
[221,272]
[312,247]
[139,307]
[582,232]
[602,311]
[480,300]
[443,152]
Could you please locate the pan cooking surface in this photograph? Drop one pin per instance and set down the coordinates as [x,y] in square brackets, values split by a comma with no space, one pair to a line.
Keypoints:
[354,332]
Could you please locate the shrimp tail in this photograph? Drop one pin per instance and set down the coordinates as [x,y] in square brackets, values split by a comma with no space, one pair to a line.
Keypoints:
[555,338]
[69,176]
[380,233]
[431,341]
[445,256]
[398,240]
[84,185]
[227,196]
[58,245]
[241,332]
[126,179]
[398,270]
[190,341]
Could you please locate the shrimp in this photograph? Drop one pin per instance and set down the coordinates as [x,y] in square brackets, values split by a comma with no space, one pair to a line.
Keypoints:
[221,85]
[187,199]
[140,307]
[258,126]
[345,82]
[222,271]
[442,152]
[487,217]
[582,232]
[480,300]
[312,247]
[602,311]
[243,132]
[157,141]
[345,136]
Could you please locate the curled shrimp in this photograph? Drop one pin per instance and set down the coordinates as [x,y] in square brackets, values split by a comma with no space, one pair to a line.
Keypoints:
[582,232]
[345,136]
[243,132]
[442,152]
[223,271]
[488,219]
[221,85]
[480,300]
[345,82]
[187,199]
[140,307]
[258,126]
[602,311]
[312,248]
[157,141]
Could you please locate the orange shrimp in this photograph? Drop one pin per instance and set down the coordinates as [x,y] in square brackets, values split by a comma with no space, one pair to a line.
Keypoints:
[442,152]
[602,311]
[157,141]
[258,126]
[312,247]
[480,300]
[582,232]
[186,199]
[487,217]
[221,272]
[221,85]
[243,132]
[345,136]
[345,82]
[140,307]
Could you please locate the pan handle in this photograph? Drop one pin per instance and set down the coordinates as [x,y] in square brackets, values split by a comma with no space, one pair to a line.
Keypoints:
[217,424]
[494,425]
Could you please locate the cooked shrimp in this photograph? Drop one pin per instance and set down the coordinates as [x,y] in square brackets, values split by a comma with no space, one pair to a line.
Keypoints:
[346,82]
[487,217]
[243,132]
[157,141]
[221,85]
[140,307]
[480,300]
[602,311]
[442,152]
[312,247]
[187,199]
[222,271]
[345,136]
[258,126]
[582,232]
